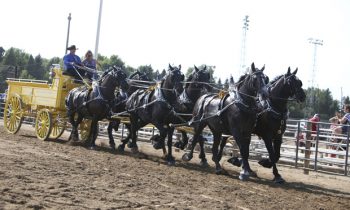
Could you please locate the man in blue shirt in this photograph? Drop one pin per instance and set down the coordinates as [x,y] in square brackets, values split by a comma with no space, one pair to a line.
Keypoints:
[70,58]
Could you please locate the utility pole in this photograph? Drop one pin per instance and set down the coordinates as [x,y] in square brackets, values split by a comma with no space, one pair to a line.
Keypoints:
[341,97]
[98,30]
[315,42]
[69,18]
[245,28]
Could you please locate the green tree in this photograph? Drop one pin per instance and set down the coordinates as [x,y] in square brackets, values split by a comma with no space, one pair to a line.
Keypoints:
[30,67]
[129,70]
[10,57]
[40,72]
[148,70]
[2,52]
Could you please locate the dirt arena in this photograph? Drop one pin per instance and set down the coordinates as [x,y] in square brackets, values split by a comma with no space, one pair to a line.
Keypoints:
[56,175]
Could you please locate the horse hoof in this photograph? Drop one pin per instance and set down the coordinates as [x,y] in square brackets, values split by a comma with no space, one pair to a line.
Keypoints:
[253,174]
[134,150]
[130,145]
[219,171]
[266,163]
[235,161]
[121,148]
[243,177]
[279,180]
[204,163]
[187,157]
[178,144]
[158,145]
[92,148]
[171,162]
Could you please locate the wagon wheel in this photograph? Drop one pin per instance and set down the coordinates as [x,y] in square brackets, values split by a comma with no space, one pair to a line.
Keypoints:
[43,124]
[58,127]
[85,129]
[13,114]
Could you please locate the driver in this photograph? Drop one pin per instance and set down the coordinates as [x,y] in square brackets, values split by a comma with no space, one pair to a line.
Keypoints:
[72,58]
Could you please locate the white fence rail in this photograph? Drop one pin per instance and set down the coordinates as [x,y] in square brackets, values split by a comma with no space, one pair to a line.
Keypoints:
[321,151]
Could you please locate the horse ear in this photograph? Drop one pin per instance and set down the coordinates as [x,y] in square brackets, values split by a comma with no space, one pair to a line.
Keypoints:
[170,67]
[195,68]
[180,67]
[205,68]
[263,68]
[252,67]
[295,72]
[288,72]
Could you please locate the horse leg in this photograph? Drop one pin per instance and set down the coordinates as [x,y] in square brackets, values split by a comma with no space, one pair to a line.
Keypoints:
[222,146]
[128,137]
[268,163]
[181,144]
[215,151]
[133,127]
[77,122]
[244,149]
[196,137]
[160,143]
[72,135]
[112,125]
[204,162]
[277,146]
[93,133]
[234,160]
[169,157]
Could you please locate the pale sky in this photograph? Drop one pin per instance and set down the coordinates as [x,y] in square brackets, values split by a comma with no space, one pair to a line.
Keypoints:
[192,32]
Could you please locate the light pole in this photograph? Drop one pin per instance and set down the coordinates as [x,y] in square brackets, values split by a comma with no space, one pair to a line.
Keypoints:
[69,18]
[315,42]
[98,29]
[243,45]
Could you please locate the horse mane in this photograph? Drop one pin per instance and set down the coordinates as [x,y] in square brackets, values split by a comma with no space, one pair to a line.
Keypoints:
[190,77]
[241,79]
[276,79]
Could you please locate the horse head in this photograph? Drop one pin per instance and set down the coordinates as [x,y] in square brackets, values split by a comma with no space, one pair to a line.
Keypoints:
[255,82]
[294,85]
[115,77]
[174,78]
[199,78]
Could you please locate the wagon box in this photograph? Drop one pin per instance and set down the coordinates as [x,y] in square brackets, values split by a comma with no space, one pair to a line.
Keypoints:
[40,99]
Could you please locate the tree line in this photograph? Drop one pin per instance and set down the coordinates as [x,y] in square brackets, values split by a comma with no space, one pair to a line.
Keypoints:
[17,63]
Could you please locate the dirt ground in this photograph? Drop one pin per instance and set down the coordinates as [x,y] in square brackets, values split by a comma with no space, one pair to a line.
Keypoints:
[55,175]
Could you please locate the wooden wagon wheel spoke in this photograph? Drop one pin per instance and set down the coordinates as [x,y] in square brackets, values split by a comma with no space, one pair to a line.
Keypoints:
[43,124]
[58,127]
[85,130]
[13,114]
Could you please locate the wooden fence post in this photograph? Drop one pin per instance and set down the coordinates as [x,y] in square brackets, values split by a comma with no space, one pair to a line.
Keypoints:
[307,149]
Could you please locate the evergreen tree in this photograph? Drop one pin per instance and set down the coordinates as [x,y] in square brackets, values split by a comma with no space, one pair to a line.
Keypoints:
[2,52]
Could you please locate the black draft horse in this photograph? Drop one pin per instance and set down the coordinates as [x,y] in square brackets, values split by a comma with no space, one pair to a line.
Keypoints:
[195,85]
[271,123]
[156,107]
[95,104]
[135,82]
[230,115]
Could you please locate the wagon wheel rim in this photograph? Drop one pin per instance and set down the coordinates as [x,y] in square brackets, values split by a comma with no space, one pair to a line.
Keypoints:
[13,114]
[58,127]
[43,124]
[85,129]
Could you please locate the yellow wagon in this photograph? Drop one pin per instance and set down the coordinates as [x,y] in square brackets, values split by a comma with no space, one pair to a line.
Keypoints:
[43,101]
